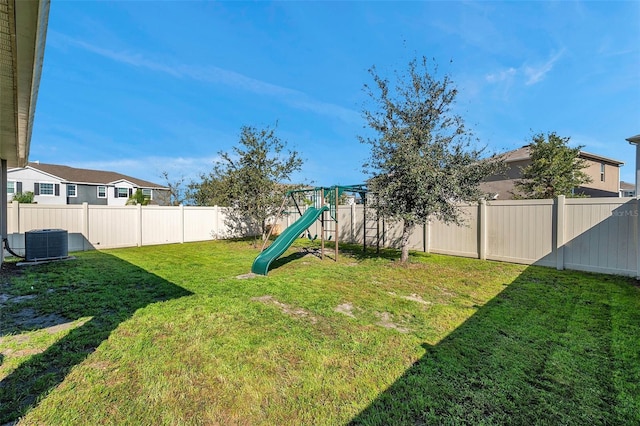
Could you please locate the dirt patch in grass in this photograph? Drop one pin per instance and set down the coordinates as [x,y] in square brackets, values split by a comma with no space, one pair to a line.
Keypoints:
[6,298]
[10,269]
[445,292]
[286,309]
[247,276]
[22,352]
[346,309]
[416,298]
[386,321]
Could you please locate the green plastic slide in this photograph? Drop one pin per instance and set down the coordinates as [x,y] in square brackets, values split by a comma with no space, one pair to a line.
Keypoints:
[284,240]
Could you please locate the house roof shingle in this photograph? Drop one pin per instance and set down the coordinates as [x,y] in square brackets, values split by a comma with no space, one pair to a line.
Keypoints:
[74,175]
[524,153]
[627,186]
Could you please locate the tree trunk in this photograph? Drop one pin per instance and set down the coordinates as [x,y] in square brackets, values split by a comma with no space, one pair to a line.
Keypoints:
[404,242]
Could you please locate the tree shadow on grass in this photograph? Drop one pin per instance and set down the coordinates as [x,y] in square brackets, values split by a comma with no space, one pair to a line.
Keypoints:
[357,252]
[538,353]
[354,251]
[102,287]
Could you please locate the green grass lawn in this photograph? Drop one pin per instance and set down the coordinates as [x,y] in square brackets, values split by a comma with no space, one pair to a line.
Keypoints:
[177,335]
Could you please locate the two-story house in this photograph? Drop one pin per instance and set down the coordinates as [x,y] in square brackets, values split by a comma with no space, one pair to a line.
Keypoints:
[604,173]
[56,184]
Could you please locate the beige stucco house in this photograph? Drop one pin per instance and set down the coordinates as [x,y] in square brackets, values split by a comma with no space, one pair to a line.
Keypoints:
[604,173]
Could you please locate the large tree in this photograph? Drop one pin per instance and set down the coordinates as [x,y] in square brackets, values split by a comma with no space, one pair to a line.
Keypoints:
[424,161]
[211,190]
[254,176]
[555,169]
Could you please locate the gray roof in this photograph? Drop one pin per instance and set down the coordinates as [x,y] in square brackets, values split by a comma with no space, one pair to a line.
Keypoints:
[524,154]
[627,185]
[74,175]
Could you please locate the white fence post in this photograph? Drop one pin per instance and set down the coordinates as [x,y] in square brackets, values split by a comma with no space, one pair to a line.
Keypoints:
[181,224]
[427,236]
[482,229]
[85,224]
[139,215]
[353,223]
[560,231]
[216,230]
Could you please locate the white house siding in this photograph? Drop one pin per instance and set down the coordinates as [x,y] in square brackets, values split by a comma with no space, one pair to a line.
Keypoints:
[112,200]
[29,178]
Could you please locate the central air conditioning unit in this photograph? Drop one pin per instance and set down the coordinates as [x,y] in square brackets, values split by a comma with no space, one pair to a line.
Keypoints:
[46,244]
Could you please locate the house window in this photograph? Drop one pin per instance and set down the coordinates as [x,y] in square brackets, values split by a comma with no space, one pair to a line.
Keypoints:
[601,172]
[11,187]
[122,192]
[72,190]
[46,189]
[147,193]
[102,192]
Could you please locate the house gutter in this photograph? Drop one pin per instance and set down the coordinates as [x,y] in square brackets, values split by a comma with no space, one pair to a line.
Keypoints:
[635,140]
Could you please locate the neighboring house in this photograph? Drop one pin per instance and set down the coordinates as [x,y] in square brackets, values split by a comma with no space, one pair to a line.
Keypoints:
[604,173]
[627,189]
[55,184]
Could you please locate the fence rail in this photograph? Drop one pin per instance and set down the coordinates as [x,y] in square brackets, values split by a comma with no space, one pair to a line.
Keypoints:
[588,234]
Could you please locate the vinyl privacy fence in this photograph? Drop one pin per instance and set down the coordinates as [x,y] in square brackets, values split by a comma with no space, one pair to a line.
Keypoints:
[588,234]
[94,227]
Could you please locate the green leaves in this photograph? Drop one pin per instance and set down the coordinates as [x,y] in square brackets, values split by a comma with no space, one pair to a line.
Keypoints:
[421,164]
[138,198]
[23,197]
[251,179]
[555,169]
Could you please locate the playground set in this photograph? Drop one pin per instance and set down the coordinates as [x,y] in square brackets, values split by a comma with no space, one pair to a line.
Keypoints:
[319,202]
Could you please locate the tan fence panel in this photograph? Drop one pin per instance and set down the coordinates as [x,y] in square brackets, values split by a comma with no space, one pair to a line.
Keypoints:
[391,233]
[111,227]
[201,223]
[454,239]
[416,240]
[358,222]
[13,225]
[345,224]
[36,216]
[521,231]
[599,235]
[161,225]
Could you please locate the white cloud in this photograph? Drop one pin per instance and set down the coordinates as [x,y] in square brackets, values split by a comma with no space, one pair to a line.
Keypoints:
[215,75]
[133,59]
[536,73]
[501,76]
[151,168]
[528,74]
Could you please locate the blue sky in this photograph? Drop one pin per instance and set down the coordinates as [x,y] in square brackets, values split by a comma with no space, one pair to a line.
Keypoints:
[150,86]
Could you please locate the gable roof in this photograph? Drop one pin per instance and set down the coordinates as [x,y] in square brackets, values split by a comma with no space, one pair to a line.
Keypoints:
[524,153]
[627,186]
[74,175]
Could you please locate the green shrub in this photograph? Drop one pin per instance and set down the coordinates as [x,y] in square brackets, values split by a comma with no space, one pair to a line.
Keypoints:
[24,197]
